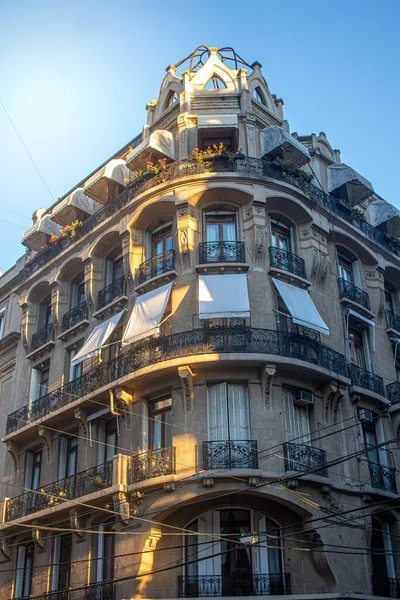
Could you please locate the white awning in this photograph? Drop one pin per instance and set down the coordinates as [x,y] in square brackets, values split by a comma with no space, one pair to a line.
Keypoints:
[301,307]
[97,338]
[159,144]
[348,184]
[36,236]
[147,314]
[357,315]
[223,296]
[65,212]
[275,141]
[217,121]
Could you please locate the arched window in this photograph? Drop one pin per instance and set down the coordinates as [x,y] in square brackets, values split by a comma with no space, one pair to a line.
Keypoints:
[215,83]
[171,99]
[252,570]
[257,94]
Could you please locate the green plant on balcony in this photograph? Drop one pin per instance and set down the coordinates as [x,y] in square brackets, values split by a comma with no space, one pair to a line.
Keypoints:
[57,499]
[394,242]
[153,169]
[216,150]
[98,481]
[357,216]
[295,171]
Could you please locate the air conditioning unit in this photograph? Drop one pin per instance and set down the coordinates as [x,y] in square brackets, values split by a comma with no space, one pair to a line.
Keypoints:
[303,398]
[365,415]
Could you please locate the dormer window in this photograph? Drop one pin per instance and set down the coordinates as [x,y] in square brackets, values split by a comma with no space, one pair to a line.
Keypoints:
[172,98]
[257,95]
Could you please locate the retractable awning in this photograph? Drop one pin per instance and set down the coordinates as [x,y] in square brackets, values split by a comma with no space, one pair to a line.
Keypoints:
[275,141]
[67,210]
[301,307]
[37,235]
[147,314]
[223,296]
[97,338]
[159,144]
[380,212]
[345,183]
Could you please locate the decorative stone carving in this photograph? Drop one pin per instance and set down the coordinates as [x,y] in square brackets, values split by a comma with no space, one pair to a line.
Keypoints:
[38,538]
[122,507]
[81,417]
[77,522]
[45,434]
[332,392]
[5,550]
[186,375]
[266,383]
[13,448]
[136,501]
[259,246]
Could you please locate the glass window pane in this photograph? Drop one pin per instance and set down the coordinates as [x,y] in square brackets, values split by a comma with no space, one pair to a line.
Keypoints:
[156,432]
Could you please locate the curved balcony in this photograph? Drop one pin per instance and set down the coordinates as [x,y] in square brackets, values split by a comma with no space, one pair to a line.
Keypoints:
[301,458]
[194,342]
[281,259]
[383,477]
[112,292]
[348,291]
[75,316]
[154,267]
[392,321]
[176,170]
[220,252]
[366,380]
[215,586]
[53,494]
[227,454]
[42,337]
[153,463]
[393,392]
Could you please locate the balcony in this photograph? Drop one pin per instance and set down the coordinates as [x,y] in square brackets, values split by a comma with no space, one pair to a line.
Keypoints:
[101,591]
[285,323]
[112,292]
[215,586]
[349,292]
[240,454]
[286,261]
[221,252]
[53,494]
[301,457]
[42,337]
[392,321]
[56,595]
[154,267]
[75,316]
[393,392]
[153,463]
[386,587]
[194,342]
[366,380]
[382,477]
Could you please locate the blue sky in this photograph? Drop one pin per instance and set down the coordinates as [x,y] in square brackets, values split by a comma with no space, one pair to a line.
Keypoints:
[76,76]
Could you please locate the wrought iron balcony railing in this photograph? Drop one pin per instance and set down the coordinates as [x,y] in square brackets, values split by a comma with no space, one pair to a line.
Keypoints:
[285,323]
[115,290]
[365,379]
[74,316]
[281,259]
[213,586]
[386,587]
[42,337]
[210,252]
[153,463]
[53,494]
[101,591]
[238,454]
[55,595]
[194,342]
[301,457]
[178,169]
[393,392]
[351,292]
[158,265]
[382,477]
[392,320]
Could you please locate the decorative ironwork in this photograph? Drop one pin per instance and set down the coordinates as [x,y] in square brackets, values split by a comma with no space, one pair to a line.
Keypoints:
[153,463]
[55,595]
[393,392]
[210,252]
[212,586]
[158,265]
[281,259]
[392,320]
[197,341]
[301,457]
[386,587]
[238,454]
[113,291]
[365,379]
[74,316]
[285,323]
[256,166]
[382,477]
[101,591]
[42,337]
[351,292]
[53,494]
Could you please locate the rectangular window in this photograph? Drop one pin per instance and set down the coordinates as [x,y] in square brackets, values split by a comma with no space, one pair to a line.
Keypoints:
[297,420]
[370,440]
[356,348]
[161,240]
[36,470]
[111,440]
[228,412]
[105,553]
[24,573]
[345,269]
[44,382]
[389,301]
[220,226]
[160,423]
[61,570]
[208,136]
[280,236]
[118,271]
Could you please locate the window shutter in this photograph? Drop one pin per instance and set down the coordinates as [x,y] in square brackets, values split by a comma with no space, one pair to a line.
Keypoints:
[356,273]
[62,465]
[217,412]
[19,576]
[101,438]
[34,390]
[55,571]
[100,554]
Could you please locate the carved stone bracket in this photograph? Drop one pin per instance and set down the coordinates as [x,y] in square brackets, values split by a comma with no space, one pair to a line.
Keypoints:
[5,550]
[81,416]
[266,382]
[38,538]
[186,375]
[13,448]
[77,523]
[332,392]
[121,400]
[320,559]
[47,442]
[122,507]
[136,501]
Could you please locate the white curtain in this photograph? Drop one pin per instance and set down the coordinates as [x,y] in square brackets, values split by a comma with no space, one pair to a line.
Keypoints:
[238,407]
[297,422]
[217,412]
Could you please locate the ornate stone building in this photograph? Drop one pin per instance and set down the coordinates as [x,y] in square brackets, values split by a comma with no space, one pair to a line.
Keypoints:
[199,363]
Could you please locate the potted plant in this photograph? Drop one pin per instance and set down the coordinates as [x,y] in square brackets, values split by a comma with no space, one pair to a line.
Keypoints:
[356,216]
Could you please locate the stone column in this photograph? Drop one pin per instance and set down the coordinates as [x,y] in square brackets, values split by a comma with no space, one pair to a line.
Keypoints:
[255,229]
[187,226]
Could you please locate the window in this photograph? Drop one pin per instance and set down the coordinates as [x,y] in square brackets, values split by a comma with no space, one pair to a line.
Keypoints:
[44,382]
[114,268]
[78,291]
[208,136]
[172,98]
[161,240]
[215,83]
[105,552]
[45,313]
[2,322]
[370,441]
[281,236]
[383,564]
[111,439]
[33,468]
[228,412]
[220,226]
[297,420]
[356,348]
[388,301]
[257,95]
[24,573]
[61,570]
[68,456]
[345,269]
[160,423]
[113,345]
